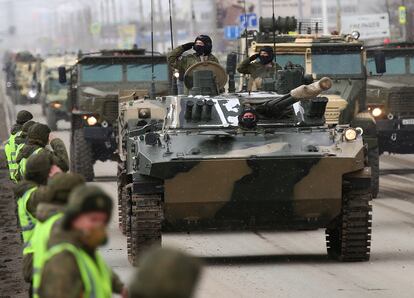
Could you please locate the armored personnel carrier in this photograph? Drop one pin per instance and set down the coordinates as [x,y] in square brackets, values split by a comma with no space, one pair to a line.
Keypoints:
[246,160]
[94,85]
[24,79]
[53,95]
[340,57]
[390,97]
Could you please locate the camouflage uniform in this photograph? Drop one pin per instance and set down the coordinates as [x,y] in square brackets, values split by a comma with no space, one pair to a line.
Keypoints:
[61,275]
[175,60]
[37,172]
[38,138]
[21,139]
[257,69]
[165,273]
[48,213]
[10,147]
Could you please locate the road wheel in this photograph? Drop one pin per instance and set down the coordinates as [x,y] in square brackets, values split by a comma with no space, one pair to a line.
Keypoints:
[349,238]
[373,161]
[146,222]
[51,119]
[81,155]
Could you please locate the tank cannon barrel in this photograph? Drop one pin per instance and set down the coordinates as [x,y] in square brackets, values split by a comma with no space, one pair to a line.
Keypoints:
[277,107]
[312,90]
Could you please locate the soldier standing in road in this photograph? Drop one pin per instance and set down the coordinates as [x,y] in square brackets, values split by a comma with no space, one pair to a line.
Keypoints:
[20,143]
[202,47]
[259,66]
[165,273]
[37,140]
[73,266]
[38,169]
[48,214]
[10,146]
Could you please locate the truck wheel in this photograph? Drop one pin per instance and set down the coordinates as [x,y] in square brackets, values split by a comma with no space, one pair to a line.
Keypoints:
[349,239]
[81,157]
[51,119]
[373,161]
[146,222]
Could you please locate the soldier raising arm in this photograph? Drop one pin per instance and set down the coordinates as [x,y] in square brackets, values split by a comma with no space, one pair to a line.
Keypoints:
[202,47]
[259,65]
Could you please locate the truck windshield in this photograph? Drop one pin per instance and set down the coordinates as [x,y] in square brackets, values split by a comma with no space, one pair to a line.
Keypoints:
[283,59]
[395,66]
[337,64]
[142,72]
[101,73]
[54,86]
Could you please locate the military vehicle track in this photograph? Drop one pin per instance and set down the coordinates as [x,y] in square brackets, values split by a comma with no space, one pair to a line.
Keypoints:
[144,230]
[122,209]
[350,240]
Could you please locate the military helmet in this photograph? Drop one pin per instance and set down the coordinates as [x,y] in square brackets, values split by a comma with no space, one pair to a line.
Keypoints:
[84,199]
[165,273]
[61,185]
[39,134]
[38,167]
[23,116]
[27,125]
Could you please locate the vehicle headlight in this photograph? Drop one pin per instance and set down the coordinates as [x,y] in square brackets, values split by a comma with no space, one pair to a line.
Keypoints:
[350,134]
[56,105]
[91,120]
[32,93]
[376,112]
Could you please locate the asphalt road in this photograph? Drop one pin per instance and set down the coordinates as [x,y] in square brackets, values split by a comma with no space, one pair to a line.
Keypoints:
[293,264]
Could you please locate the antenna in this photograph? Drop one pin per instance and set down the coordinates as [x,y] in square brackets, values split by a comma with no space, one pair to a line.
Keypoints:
[244,87]
[152,91]
[171,25]
[274,30]
[174,86]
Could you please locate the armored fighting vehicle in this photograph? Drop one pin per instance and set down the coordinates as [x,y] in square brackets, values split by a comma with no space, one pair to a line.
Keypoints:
[340,57]
[94,84]
[244,160]
[390,97]
[53,95]
[25,76]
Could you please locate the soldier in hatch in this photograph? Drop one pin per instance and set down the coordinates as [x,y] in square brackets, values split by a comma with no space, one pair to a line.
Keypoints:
[259,66]
[202,47]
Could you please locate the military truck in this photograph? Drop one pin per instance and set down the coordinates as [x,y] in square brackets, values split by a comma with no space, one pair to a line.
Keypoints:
[244,160]
[53,95]
[94,84]
[390,97]
[340,57]
[25,85]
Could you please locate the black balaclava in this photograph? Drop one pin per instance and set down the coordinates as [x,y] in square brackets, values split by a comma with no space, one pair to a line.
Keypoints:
[266,59]
[206,49]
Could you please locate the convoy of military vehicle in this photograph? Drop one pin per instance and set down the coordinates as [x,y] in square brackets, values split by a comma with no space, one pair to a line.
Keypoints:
[299,150]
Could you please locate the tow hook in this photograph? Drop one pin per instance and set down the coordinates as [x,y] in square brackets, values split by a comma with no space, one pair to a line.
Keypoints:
[394,137]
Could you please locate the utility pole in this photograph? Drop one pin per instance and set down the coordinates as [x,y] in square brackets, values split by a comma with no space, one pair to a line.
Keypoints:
[161,26]
[324,6]
[338,16]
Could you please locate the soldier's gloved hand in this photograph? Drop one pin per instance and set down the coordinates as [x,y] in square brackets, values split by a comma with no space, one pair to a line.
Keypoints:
[188,46]
[254,57]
